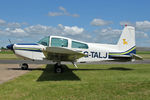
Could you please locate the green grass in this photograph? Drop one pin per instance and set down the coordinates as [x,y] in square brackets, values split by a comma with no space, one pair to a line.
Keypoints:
[8,56]
[144,56]
[6,52]
[143,52]
[89,82]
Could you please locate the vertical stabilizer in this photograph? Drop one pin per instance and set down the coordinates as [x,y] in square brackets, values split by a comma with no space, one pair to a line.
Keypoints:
[127,39]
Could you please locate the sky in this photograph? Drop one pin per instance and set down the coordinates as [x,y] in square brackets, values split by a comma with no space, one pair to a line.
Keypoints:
[99,21]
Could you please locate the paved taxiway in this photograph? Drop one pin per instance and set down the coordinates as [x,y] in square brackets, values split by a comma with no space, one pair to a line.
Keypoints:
[11,71]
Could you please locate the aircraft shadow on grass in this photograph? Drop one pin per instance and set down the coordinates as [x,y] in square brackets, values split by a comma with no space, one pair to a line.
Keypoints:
[112,68]
[49,75]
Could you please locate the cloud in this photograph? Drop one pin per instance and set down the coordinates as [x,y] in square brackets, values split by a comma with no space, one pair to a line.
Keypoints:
[55,13]
[63,12]
[140,35]
[108,32]
[143,25]
[139,25]
[62,9]
[5,24]
[107,35]
[142,39]
[59,30]
[34,33]
[12,29]
[16,32]
[2,22]
[37,29]
[111,36]
[74,30]
[100,22]
[14,25]
[104,35]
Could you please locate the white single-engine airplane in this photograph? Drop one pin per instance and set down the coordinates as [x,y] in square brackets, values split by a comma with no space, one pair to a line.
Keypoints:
[57,49]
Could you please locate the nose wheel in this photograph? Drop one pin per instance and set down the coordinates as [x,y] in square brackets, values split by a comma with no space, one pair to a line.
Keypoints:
[24,66]
[58,68]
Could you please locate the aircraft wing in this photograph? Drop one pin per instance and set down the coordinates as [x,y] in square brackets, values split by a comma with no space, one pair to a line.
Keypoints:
[61,54]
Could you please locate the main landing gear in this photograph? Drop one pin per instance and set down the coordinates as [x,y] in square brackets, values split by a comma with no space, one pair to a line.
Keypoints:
[58,68]
[24,66]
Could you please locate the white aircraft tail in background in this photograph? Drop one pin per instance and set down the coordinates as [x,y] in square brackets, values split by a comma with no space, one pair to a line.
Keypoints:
[57,49]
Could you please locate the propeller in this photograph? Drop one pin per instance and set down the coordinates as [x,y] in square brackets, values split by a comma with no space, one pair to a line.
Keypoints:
[10,46]
[9,41]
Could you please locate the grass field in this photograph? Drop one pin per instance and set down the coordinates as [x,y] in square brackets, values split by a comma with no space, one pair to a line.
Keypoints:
[6,52]
[89,82]
[144,54]
[8,55]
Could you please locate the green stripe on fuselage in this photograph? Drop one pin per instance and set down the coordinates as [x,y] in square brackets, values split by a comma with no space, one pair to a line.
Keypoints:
[26,48]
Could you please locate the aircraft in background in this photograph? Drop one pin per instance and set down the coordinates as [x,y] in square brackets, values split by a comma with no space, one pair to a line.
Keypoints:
[58,49]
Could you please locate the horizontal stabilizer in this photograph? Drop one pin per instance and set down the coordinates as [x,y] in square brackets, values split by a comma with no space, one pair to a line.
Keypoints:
[137,57]
[126,57]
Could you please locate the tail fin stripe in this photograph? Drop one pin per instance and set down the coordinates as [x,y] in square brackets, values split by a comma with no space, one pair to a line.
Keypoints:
[124,53]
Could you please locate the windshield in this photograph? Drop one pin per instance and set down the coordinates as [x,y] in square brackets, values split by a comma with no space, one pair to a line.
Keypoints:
[44,41]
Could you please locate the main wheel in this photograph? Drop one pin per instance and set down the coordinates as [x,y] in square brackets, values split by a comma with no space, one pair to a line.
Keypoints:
[58,69]
[24,66]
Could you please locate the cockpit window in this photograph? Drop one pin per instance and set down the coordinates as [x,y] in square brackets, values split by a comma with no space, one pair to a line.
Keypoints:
[79,45]
[59,42]
[44,41]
